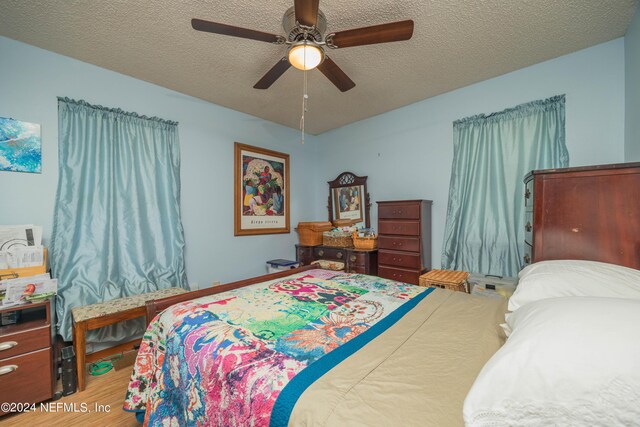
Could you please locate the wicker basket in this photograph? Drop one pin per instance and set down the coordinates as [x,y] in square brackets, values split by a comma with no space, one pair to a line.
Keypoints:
[368,243]
[337,239]
[311,232]
[447,279]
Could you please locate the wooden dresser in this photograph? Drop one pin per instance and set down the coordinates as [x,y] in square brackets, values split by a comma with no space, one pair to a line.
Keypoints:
[404,239]
[26,355]
[355,260]
[589,213]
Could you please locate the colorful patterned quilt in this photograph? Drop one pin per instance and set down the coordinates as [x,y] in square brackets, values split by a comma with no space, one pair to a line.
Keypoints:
[230,359]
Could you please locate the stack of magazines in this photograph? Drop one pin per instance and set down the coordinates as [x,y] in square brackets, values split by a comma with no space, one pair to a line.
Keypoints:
[27,289]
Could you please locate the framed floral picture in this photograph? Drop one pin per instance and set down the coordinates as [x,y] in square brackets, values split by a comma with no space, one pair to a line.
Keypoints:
[261,195]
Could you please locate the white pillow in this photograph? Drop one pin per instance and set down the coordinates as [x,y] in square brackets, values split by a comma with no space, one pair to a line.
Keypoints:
[569,361]
[567,278]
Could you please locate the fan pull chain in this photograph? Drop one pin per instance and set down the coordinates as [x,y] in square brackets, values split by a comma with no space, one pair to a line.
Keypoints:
[305,97]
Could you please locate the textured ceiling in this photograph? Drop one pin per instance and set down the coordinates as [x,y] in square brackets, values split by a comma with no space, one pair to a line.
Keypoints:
[455,43]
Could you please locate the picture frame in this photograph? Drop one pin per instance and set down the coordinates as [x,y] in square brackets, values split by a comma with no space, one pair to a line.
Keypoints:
[20,146]
[359,214]
[261,191]
[348,203]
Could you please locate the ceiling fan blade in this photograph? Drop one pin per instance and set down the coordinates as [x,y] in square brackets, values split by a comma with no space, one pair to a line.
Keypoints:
[307,12]
[273,74]
[335,74]
[384,33]
[230,30]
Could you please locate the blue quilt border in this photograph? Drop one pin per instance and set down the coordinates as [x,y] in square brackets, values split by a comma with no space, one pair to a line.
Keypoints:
[289,396]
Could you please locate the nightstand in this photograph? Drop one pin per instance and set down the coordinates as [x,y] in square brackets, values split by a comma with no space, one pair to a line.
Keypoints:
[26,354]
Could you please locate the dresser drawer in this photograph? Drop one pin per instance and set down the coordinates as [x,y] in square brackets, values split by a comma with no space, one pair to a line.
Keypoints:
[359,269]
[399,259]
[336,254]
[528,255]
[405,228]
[304,255]
[12,344]
[399,274]
[399,211]
[357,258]
[26,378]
[528,194]
[410,244]
[528,227]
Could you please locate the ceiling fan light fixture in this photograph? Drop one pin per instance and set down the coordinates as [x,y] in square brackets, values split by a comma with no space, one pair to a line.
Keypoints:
[306,55]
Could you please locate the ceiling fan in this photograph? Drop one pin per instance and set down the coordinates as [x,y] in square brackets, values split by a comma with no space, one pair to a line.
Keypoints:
[305,25]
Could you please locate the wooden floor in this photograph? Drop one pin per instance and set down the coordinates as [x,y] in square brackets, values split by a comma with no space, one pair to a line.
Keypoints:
[107,391]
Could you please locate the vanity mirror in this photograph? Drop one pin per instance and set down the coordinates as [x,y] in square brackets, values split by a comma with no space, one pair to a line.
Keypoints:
[349,199]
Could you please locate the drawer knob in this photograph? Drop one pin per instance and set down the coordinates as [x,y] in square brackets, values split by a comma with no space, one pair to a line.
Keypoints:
[352,258]
[7,369]
[339,255]
[7,345]
[320,252]
[528,226]
[527,259]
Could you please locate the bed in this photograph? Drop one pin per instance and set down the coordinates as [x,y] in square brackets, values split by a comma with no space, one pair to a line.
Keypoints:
[313,347]
[318,347]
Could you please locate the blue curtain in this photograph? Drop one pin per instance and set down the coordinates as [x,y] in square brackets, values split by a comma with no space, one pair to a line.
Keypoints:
[484,230]
[117,228]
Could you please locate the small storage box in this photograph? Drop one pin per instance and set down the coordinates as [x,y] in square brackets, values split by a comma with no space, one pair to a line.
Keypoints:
[276,265]
[492,286]
[447,279]
[311,232]
[337,239]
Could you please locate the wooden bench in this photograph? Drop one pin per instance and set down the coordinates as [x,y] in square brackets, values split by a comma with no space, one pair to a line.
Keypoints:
[94,316]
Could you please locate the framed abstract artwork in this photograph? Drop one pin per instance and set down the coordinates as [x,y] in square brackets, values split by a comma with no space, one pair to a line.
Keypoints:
[261,191]
[20,146]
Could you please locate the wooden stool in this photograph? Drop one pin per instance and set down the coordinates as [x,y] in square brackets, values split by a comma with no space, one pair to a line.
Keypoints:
[447,279]
[94,316]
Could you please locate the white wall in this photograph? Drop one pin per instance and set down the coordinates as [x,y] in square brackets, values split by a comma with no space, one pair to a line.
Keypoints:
[632,99]
[32,78]
[407,153]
